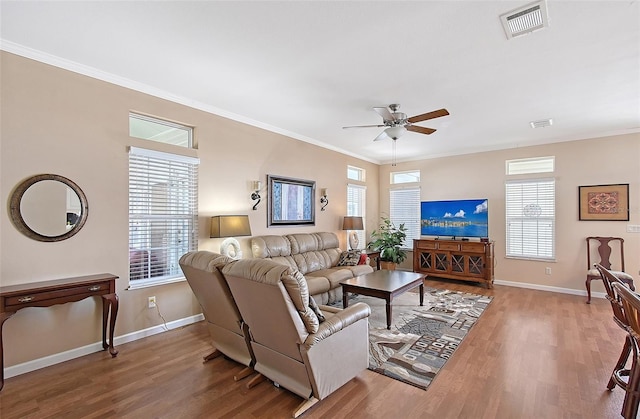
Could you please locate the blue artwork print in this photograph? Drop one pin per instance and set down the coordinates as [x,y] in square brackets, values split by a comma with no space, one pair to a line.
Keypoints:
[292,203]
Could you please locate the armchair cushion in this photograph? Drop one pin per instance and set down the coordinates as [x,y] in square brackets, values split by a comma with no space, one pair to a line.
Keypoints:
[338,320]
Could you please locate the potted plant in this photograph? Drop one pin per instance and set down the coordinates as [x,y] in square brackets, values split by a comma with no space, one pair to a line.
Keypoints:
[388,240]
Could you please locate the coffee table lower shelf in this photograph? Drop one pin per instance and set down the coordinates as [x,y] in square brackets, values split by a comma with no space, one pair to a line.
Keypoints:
[383,284]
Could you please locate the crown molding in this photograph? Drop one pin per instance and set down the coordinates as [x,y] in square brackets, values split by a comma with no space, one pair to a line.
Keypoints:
[98,74]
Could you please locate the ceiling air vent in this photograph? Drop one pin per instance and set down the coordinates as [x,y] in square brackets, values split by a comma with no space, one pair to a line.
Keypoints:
[541,123]
[525,19]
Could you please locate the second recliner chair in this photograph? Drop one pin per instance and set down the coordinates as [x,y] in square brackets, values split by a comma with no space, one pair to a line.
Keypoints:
[292,347]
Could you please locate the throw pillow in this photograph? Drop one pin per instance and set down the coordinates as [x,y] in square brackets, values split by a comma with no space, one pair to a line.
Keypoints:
[349,258]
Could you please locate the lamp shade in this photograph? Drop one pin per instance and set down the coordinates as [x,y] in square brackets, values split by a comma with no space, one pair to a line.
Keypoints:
[230,226]
[352,223]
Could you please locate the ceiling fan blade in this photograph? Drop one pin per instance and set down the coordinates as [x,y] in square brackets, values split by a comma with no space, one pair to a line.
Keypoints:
[421,130]
[384,113]
[429,115]
[383,136]
[364,126]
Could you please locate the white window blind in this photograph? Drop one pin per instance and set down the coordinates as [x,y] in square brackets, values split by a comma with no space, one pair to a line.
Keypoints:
[163,214]
[356,199]
[530,217]
[404,208]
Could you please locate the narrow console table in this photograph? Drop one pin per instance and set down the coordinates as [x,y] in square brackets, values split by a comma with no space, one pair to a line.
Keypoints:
[60,291]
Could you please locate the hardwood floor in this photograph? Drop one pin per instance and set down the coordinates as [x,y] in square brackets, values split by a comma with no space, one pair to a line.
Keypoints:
[533,354]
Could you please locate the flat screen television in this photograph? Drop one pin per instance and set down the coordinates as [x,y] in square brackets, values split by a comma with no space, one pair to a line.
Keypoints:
[458,219]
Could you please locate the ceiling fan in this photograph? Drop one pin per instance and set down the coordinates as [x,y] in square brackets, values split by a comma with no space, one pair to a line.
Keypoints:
[397,122]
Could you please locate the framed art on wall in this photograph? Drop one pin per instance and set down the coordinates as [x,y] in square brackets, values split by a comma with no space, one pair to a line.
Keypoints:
[291,201]
[604,202]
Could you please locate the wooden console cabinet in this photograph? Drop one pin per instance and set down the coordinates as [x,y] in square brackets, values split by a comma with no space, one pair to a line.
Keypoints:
[454,259]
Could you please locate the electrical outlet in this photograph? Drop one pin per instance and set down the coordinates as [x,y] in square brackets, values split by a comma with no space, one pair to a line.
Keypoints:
[152,302]
[547,271]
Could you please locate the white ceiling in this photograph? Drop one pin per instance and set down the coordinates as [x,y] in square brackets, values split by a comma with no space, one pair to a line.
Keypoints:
[308,68]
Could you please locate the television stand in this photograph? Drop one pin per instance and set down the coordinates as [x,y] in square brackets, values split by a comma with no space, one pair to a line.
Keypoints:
[455,259]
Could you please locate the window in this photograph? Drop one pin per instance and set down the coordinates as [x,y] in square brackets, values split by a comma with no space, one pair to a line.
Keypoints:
[356,199]
[148,128]
[404,208]
[163,214]
[355,173]
[530,216]
[527,166]
[405,177]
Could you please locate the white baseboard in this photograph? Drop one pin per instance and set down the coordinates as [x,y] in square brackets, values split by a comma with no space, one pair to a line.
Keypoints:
[548,288]
[47,361]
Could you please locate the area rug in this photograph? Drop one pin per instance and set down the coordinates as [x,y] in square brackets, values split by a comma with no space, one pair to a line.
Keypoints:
[422,338]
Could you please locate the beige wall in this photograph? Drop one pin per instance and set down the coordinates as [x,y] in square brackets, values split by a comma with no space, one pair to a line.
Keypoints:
[586,162]
[56,121]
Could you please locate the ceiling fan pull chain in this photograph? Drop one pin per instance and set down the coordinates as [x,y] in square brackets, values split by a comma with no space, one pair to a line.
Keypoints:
[393,153]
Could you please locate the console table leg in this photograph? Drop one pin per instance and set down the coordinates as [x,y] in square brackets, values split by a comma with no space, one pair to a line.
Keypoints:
[422,293]
[109,304]
[3,317]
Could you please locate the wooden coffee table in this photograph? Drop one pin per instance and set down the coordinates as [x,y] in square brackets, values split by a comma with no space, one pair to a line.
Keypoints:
[383,284]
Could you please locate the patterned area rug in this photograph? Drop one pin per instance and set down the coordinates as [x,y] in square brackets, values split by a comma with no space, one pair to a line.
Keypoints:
[421,339]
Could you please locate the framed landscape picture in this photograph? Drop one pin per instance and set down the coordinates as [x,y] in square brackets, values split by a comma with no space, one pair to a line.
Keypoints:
[604,202]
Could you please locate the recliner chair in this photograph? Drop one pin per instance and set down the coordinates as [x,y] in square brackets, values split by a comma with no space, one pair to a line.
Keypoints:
[291,346]
[226,327]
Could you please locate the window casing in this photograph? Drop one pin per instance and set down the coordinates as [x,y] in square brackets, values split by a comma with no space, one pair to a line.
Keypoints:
[532,165]
[404,208]
[356,173]
[530,218]
[163,215]
[356,202]
[409,176]
[154,129]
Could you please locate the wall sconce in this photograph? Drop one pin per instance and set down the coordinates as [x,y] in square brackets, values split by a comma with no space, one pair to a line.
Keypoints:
[324,201]
[257,185]
[353,224]
[228,226]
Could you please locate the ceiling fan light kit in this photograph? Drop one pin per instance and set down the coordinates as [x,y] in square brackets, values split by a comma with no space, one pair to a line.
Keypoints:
[395,132]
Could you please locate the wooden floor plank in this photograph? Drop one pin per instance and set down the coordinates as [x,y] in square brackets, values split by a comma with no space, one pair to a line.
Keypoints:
[533,354]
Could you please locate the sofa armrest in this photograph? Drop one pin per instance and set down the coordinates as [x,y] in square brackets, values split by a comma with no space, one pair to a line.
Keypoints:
[338,321]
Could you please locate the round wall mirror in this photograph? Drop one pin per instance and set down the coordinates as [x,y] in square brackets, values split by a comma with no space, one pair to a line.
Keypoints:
[48,208]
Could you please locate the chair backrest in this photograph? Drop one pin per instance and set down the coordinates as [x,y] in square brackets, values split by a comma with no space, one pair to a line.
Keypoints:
[610,251]
[262,284]
[202,269]
[631,306]
[612,295]
[274,301]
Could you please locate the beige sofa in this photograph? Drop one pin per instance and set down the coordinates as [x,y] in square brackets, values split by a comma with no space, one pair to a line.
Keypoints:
[316,256]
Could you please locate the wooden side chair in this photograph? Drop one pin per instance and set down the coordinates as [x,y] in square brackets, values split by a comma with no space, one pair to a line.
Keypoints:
[604,247]
[620,375]
[631,306]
